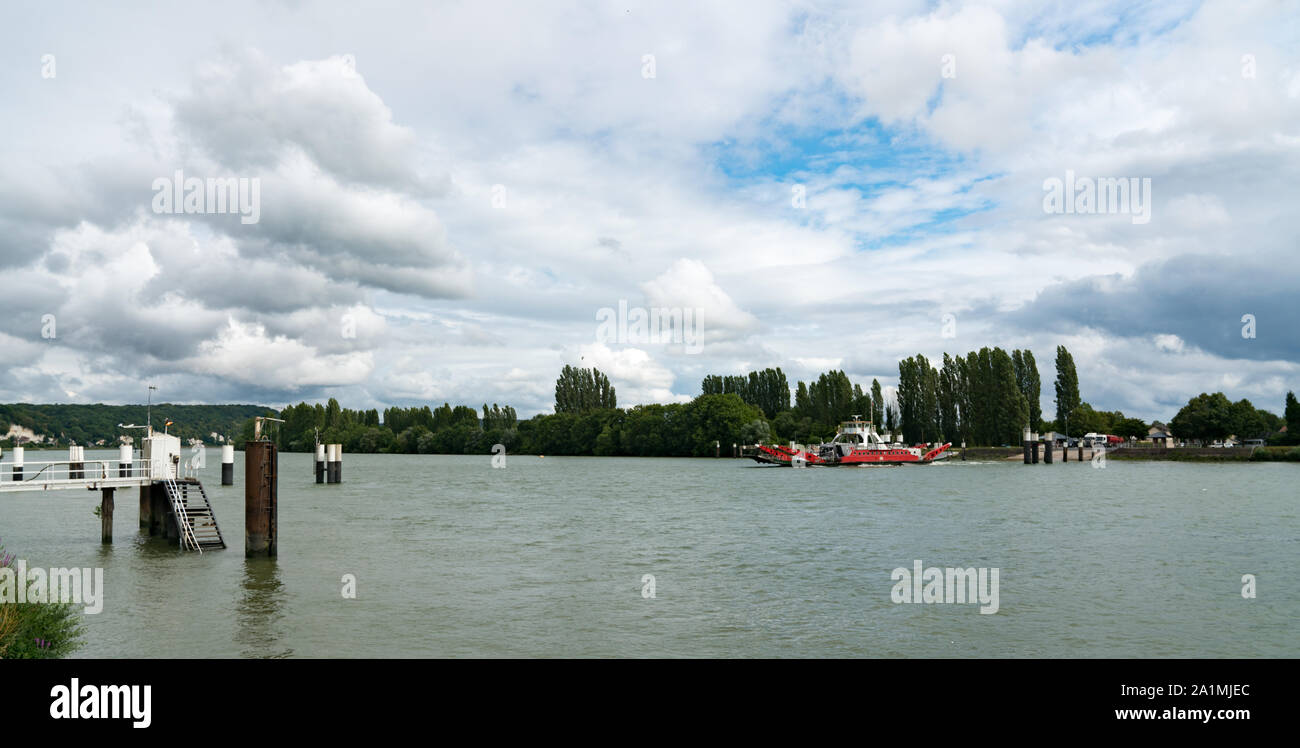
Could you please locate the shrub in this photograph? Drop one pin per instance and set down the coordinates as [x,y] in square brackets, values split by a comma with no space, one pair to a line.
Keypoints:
[37,630]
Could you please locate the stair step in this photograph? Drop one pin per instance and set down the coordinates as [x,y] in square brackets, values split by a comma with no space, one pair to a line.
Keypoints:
[189,499]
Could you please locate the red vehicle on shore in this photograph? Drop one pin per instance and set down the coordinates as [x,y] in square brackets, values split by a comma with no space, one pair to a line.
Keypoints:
[856,443]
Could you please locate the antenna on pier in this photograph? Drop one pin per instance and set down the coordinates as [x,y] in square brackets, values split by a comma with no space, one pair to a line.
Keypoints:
[148,419]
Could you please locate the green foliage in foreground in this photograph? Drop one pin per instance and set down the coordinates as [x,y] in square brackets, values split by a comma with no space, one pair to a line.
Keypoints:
[31,631]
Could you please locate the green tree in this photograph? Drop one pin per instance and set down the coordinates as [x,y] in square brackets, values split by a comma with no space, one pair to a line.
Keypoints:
[1030,385]
[1067,391]
[1204,418]
[1130,427]
[580,390]
[877,404]
[1292,416]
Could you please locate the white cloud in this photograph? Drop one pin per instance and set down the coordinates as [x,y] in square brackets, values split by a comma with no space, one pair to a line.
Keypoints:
[245,353]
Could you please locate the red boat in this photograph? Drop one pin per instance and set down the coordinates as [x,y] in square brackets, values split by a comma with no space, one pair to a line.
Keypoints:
[856,443]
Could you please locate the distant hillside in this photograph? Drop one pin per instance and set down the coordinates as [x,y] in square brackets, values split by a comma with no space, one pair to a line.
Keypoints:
[91,424]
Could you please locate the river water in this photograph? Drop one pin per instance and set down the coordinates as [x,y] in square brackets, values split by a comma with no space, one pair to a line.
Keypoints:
[548,557]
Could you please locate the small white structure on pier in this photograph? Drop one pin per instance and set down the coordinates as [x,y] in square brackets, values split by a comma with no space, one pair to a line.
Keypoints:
[158,469]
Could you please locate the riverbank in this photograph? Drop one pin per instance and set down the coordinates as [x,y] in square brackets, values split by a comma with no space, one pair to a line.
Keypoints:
[1207,454]
[1173,454]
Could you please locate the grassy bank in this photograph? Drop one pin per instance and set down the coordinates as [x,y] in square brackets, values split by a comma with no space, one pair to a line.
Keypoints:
[1203,454]
[1276,454]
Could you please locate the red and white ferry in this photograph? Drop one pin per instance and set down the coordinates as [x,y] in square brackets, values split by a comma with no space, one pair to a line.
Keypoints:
[856,443]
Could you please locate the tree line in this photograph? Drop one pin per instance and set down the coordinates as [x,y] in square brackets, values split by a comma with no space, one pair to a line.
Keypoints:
[1213,417]
[96,424]
[985,397]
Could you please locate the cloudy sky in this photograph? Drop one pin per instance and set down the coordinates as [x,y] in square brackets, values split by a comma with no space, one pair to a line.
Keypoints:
[448,196]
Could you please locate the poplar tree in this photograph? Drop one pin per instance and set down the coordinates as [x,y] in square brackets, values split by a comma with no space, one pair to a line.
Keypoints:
[1067,388]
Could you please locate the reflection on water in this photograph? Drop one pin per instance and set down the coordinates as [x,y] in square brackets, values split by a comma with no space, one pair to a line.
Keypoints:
[258,613]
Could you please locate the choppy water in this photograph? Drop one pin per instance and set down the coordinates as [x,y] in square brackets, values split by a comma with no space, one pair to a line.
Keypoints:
[546,558]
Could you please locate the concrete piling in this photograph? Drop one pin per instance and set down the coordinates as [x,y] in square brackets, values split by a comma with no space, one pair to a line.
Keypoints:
[228,465]
[76,468]
[1047,453]
[161,519]
[18,463]
[124,461]
[261,476]
[320,463]
[146,507]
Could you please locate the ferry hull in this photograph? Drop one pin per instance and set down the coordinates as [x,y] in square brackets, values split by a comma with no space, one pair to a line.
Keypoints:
[786,457]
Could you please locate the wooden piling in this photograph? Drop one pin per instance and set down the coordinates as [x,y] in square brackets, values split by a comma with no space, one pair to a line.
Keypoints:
[261,475]
[106,516]
[1080,451]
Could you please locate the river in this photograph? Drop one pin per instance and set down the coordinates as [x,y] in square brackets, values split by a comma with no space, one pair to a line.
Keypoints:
[549,557]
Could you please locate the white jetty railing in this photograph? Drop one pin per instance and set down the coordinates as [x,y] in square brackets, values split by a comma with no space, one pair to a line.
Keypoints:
[83,474]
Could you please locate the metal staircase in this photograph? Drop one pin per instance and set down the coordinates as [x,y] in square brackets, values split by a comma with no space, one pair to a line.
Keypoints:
[194,517]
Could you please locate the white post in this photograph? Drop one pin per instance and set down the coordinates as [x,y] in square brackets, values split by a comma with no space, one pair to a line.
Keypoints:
[124,461]
[227,464]
[18,463]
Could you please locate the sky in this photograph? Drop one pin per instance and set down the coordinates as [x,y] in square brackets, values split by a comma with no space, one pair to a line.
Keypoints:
[451,197]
